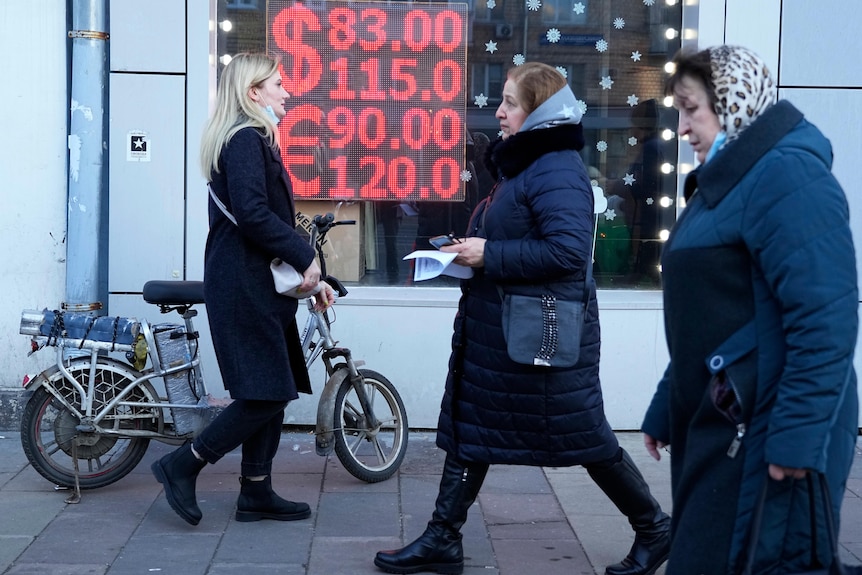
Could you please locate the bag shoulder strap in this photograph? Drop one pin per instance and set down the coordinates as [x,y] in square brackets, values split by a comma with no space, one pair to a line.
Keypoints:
[221,205]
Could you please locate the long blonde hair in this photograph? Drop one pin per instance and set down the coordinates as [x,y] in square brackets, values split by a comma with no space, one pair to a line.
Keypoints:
[235,110]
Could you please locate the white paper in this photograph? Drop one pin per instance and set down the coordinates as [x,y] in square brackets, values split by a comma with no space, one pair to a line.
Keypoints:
[429,264]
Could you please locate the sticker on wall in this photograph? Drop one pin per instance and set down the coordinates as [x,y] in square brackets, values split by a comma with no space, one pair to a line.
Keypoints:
[137,147]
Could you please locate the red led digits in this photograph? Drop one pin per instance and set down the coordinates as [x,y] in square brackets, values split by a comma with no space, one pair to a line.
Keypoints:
[380,100]
[375,20]
[447,80]
[403,70]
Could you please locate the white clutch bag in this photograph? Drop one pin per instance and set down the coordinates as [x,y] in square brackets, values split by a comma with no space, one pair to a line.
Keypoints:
[287,280]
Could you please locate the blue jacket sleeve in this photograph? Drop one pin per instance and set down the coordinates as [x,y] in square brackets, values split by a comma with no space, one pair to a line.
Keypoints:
[797,229]
[657,419]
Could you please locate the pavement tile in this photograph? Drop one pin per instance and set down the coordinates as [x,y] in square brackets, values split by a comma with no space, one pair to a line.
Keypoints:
[57,569]
[551,557]
[26,513]
[266,542]
[257,569]
[82,539]
[349,514]
[521,508]
[160,554]
[11,546]
[353,555]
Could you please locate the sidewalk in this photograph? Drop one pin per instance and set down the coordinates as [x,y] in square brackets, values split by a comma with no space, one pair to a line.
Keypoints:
[527,520]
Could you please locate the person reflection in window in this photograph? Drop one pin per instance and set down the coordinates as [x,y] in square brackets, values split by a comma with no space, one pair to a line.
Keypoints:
[643,185]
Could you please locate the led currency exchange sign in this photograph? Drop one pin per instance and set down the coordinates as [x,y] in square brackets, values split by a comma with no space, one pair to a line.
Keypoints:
[378,103]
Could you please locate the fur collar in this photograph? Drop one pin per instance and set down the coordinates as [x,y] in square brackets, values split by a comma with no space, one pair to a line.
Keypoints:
[515,154]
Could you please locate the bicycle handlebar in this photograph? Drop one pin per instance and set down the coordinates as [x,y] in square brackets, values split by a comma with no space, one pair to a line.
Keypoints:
[324,223]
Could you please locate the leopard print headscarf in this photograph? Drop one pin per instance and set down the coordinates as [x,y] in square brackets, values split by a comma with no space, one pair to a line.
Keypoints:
[744,87]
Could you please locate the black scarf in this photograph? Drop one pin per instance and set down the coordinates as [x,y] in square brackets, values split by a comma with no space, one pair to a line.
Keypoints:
[511,156]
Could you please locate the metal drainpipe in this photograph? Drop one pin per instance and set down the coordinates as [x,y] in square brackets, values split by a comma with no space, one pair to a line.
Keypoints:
[86,242]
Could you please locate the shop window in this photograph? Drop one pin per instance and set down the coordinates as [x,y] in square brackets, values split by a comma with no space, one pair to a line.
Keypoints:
[243,4]
[488,79]
[613,55]
[566,12]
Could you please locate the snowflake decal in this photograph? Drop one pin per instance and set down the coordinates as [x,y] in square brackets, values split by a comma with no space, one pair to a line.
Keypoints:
[563,72]
[499,133]
[491,46]
[649,2]
[610,215]
[491,4]
[481,100]
[629,179]
[602,45]
[601,145]
[650,201]
[568,112]
[632,100]
[518,59]
[534,5]
[578,8]
[582,105]
[636,56]
[466,176]
[633,141]
[553,35]
[619,23]
[606,83]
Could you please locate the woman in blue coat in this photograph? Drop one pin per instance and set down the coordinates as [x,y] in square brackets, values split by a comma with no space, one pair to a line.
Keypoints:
[253,327]
[535,230]
[760,300]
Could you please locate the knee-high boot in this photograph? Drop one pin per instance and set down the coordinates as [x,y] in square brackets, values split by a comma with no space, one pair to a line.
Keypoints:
[624,485]
[439,549]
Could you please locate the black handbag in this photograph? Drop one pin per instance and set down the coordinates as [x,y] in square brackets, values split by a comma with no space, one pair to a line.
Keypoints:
[544,330]
[837,568]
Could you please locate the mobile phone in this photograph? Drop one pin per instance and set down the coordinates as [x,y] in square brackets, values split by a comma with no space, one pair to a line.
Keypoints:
[440,241]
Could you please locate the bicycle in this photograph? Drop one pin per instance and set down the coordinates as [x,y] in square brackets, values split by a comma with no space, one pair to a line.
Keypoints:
[89,418]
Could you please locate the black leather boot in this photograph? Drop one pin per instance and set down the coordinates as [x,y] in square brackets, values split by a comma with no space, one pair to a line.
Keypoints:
[258,501]
[178,472]
[439,549]
[624,485]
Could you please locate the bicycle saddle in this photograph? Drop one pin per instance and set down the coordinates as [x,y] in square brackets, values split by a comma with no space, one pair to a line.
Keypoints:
[174,292]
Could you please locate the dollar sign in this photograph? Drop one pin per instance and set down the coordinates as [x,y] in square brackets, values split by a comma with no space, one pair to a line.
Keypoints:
[301,66]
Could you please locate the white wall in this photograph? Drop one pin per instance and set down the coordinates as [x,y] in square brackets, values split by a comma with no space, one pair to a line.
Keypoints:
[32,174]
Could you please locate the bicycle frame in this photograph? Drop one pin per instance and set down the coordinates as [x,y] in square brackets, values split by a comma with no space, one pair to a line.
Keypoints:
[90,419]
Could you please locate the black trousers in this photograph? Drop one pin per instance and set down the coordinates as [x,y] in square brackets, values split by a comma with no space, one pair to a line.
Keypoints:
[254,424]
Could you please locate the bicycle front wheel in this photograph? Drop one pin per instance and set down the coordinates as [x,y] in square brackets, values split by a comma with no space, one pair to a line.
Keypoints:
[370,453]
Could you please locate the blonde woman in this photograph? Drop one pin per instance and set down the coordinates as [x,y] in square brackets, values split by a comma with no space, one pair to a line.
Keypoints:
[253,327]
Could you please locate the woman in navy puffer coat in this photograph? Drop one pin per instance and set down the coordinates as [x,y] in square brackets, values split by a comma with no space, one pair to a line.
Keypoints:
[532,235]
[760,302]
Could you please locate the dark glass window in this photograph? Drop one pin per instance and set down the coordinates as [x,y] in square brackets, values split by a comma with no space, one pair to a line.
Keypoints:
[613,54]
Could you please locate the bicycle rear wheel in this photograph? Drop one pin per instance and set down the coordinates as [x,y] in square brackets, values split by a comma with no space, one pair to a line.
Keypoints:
[49,429]
[369,453]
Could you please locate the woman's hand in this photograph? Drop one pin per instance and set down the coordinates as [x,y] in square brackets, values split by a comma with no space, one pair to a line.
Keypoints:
[325,297]
[471,252]
[653,445]
[778,473]
[310,278]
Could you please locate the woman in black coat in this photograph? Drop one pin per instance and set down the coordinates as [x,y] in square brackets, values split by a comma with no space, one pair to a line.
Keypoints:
[532,234]
[253,327]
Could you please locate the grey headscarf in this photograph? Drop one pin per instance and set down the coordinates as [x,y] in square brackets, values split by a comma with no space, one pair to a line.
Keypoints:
[561,108]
